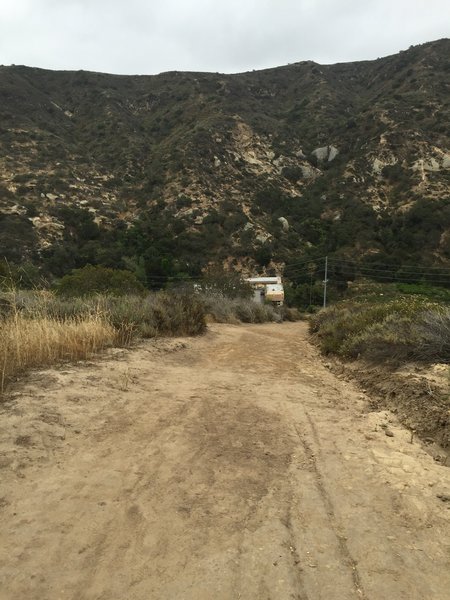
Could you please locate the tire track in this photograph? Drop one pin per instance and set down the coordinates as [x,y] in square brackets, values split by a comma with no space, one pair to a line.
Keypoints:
[296,559]
[348,559]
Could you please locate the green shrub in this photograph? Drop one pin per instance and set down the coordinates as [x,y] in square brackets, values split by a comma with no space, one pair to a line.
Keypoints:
[406,329]
[340,322]
[162,314]
[393,338]
[156,314]
[92,280]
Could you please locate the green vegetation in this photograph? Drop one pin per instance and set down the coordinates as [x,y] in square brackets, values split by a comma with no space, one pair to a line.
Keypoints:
[149,174]
[92,280]
[408,328]
[364,290]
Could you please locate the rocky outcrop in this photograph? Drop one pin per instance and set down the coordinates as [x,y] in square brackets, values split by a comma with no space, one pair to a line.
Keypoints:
[284,223]
[325,154]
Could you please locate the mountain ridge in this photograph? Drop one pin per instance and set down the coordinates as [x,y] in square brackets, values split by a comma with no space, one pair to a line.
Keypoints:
[249,170]
[194,72]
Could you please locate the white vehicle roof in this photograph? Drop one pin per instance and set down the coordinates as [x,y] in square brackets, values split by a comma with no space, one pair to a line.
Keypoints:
[263,279]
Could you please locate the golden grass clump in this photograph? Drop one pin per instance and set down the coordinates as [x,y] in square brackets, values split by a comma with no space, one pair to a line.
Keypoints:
[39,329]
[38,342]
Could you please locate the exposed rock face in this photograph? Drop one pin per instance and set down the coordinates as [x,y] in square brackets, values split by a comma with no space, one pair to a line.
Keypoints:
[441,160]
[308,172]
[378,163]
[325,154]
[263,237]
[253,149]
[284,223]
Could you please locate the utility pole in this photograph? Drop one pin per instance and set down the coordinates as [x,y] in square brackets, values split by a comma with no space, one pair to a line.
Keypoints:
[311,269]
[325,281]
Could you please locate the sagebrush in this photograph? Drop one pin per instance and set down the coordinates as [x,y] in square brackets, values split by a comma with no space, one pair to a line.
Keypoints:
[405,329]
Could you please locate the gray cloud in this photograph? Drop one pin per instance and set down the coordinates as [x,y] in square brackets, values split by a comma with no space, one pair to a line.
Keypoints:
[150,36]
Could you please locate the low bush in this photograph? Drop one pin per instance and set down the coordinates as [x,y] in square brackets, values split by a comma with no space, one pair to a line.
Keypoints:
[232,310]
[341,322]
[91,280]
[161,314]
[406,329]
[433,335]
[290,314]
[249,311]
[393,338]
[219,307]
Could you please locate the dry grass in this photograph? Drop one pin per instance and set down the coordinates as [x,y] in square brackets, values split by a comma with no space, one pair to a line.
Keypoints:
[28,343]
[38,329]
[234,310]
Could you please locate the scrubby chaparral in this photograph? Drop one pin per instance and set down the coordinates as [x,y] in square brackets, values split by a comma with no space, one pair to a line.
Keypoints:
[164,175]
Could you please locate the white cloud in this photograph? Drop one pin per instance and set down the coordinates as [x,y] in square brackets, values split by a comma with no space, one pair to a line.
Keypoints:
[149,36]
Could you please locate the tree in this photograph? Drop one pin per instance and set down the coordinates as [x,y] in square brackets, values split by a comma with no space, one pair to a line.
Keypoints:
[96,280]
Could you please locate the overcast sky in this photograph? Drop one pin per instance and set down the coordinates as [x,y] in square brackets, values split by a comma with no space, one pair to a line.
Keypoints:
[151,36]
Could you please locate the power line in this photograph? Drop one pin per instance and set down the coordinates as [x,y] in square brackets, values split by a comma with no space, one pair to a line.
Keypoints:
[385,267]
[405,279]
[388,278]
[304,262]
[388,275]
[303,271]
[399,271]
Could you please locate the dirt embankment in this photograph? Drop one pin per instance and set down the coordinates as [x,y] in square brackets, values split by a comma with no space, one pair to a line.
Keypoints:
[419,395]
[235,465]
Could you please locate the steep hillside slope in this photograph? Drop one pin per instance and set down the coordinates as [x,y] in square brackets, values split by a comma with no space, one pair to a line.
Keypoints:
[167,173]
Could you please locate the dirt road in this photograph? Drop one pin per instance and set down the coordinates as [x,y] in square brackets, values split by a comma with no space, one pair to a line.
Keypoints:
[232,466]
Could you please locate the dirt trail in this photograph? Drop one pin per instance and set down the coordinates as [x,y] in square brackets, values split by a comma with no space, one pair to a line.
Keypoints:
[232,466]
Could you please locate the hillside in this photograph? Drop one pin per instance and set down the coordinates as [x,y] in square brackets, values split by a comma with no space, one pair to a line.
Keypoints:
[166,174]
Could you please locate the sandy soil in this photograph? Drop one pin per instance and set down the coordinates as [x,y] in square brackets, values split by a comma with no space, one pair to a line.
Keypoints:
[232,466]
[419,394]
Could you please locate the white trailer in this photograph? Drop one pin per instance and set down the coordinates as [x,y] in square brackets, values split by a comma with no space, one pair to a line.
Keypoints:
[268,289]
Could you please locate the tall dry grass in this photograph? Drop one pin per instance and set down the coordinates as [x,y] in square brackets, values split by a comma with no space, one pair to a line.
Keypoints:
[38,342]
[37,329]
